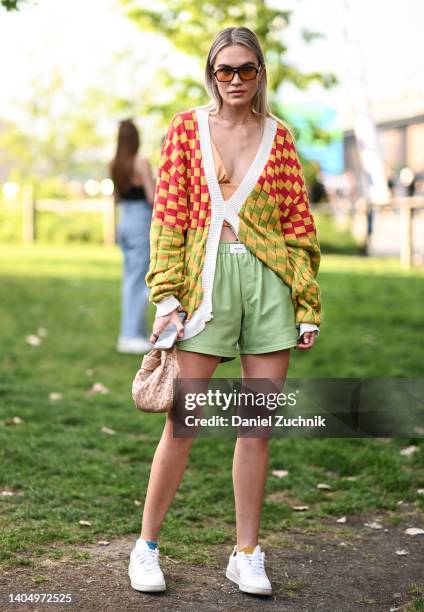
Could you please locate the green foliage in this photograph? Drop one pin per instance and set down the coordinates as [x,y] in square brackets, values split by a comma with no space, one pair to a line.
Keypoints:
[51,187]
[55,228]
[11,5]
[52,228]
[191,26]
[58,141]
[10,222]
[332,238]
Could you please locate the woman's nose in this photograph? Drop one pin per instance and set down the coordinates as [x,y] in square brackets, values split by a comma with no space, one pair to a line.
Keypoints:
[236,78]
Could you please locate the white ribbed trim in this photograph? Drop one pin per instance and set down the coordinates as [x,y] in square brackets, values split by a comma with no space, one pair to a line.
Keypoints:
[306,327]
[221,209]
[166,305]
[232,206]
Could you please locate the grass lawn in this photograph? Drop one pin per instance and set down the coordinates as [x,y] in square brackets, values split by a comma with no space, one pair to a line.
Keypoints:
[63,469]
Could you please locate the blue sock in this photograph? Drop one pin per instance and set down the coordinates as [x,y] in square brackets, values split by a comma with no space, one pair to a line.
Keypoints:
[150,543]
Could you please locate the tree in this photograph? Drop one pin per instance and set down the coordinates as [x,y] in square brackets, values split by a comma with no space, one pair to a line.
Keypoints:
[51,140]
[190,27]
[11,5]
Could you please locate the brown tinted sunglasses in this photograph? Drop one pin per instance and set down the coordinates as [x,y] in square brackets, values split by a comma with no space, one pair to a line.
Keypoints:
[246,73]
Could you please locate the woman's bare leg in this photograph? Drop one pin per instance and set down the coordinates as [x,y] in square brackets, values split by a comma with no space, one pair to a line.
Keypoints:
[250,460]
[171,455]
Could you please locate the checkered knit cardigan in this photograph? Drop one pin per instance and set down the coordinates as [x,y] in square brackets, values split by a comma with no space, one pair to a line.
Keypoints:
[276,223]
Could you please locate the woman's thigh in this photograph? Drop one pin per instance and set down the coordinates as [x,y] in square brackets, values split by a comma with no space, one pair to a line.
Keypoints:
[196,370]
[267,365]
[197,365]
[263,377]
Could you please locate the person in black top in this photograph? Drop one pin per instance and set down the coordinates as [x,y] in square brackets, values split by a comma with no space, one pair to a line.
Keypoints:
[134,189]
[318,192]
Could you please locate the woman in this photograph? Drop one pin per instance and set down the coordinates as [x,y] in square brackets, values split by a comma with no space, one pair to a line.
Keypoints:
[231,233]
[134,192]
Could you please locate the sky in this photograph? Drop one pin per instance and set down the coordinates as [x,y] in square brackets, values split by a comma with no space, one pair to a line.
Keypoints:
[391,39]
[82,37]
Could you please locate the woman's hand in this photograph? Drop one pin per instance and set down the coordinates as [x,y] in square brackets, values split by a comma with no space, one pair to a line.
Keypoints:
[162,322]
[307,340]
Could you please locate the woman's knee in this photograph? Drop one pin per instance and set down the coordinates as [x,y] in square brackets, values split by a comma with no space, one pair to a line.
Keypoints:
[253,445]
[180,446]
[175,442]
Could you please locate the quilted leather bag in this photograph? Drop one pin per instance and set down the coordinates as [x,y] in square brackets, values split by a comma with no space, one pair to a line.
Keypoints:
[152,388]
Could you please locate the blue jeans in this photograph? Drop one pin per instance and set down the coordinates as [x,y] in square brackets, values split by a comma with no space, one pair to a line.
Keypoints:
[133,236]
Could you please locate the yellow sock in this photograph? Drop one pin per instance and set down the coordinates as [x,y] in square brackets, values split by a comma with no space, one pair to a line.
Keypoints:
[247,549]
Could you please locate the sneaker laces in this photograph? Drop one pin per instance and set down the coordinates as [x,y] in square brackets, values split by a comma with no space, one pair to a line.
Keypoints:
[149,559]
[255,562]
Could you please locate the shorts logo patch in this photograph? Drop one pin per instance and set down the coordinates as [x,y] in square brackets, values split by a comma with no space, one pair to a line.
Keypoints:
[237,248]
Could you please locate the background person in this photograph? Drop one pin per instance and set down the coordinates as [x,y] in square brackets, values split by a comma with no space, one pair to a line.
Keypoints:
[134,193]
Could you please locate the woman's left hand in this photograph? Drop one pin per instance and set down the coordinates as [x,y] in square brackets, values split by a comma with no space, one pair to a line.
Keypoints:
[307,340]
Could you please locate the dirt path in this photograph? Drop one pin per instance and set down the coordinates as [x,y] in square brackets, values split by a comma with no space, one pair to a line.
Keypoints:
[343,568]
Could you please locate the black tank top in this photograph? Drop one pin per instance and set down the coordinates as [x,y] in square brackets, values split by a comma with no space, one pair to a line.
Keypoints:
[135,192]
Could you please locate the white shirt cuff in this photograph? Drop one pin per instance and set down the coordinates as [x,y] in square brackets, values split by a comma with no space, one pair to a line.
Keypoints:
[166,306]
[306,327]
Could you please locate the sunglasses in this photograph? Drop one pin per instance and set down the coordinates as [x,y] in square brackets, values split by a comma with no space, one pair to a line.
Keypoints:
[246,73]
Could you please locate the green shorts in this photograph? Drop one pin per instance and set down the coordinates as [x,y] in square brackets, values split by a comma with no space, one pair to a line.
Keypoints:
[251,306]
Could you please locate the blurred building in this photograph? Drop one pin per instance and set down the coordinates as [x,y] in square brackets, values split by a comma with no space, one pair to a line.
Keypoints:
[400,128]
[400,131]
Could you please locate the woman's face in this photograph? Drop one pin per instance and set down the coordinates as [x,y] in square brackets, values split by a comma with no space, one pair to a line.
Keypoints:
[237,93]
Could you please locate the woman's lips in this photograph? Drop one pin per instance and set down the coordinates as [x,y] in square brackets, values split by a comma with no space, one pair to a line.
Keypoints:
[239,92]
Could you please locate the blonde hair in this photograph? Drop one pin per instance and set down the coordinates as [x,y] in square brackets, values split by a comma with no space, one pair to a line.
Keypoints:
[238,36]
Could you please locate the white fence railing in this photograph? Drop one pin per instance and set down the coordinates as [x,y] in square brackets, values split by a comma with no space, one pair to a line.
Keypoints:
[31,206]
[396,228]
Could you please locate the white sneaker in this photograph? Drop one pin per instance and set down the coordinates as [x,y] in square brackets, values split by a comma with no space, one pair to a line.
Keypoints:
[143,570]
[133,345]
[248,571]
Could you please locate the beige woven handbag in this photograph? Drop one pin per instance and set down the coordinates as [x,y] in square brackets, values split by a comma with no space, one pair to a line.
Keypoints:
[152,388]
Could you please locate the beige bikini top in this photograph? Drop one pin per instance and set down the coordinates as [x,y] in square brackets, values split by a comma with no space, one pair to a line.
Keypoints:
[227,188]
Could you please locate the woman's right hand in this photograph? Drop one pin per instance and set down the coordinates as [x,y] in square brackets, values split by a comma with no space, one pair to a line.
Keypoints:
[162,322]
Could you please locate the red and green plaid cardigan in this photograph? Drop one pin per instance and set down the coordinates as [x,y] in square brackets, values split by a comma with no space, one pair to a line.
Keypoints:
[276,223]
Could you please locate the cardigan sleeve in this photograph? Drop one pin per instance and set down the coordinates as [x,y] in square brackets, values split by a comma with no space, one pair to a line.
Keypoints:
[300,235]
[165,277]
